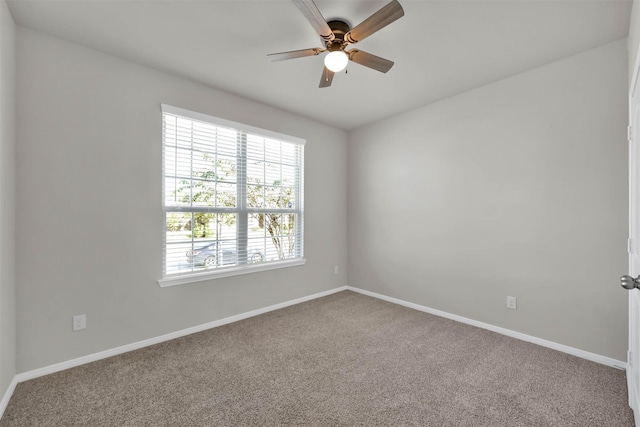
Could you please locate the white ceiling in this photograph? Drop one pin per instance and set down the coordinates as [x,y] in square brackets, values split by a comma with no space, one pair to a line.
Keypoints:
[440,48]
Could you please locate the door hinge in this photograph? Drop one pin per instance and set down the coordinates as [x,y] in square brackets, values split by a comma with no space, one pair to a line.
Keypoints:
[630,246]
[629,133]
[630,358]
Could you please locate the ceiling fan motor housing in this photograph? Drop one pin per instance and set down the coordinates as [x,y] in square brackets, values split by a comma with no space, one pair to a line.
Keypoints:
[339,28]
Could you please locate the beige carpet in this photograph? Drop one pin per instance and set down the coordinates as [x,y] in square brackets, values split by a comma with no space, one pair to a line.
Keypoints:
[345,359]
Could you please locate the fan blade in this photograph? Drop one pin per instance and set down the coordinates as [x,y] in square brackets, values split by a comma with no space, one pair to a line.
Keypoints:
[369,60]
[294,54]
[375,22]
[315,18]
[327,77]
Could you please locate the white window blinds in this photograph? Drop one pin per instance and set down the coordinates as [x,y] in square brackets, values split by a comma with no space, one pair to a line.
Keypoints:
[232,195]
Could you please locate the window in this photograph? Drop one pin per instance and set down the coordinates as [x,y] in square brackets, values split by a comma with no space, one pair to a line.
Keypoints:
[233,198]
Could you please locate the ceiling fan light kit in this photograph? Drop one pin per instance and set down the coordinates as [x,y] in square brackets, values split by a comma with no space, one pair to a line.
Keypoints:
[336,61]
[336,35]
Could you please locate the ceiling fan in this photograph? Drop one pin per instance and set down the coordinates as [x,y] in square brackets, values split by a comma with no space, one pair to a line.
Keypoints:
[336,35]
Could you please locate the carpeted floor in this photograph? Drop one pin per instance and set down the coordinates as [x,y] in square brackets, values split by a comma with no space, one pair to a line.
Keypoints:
[346,359]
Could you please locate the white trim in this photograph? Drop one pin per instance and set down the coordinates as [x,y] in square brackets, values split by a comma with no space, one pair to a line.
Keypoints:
[634,168]
[24,376]
[518,335]
[230,124]
[7,395]
[636,73]
[226,272]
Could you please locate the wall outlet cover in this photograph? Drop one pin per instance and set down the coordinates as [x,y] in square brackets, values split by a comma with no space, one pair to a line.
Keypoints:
[79,322]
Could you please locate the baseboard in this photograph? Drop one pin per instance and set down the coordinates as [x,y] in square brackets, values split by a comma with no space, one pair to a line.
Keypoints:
[618,364]
[24,376]
[7,395]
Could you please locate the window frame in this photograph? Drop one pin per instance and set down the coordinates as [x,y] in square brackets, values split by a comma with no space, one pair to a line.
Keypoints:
[241,209]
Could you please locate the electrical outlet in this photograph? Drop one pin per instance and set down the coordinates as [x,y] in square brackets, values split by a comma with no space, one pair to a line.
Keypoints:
[79,322]
[336,270]
[511,303]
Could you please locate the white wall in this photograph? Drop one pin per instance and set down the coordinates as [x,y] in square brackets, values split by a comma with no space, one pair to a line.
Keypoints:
[89,230]
[7,199]
[516,188]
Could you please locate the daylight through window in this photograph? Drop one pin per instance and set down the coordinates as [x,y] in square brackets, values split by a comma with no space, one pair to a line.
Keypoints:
[232,195]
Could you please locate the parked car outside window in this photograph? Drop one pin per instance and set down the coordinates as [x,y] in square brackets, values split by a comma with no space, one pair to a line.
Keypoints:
[215,254]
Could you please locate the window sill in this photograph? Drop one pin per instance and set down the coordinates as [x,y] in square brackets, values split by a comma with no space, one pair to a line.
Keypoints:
[183,279]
